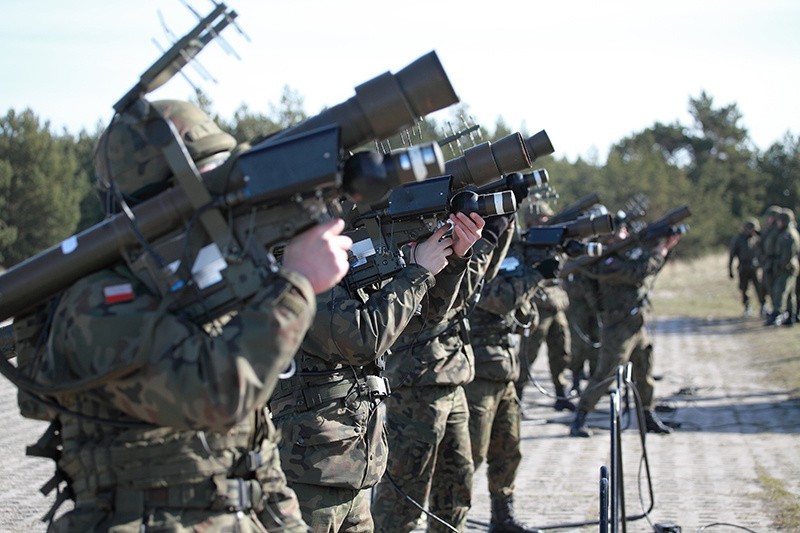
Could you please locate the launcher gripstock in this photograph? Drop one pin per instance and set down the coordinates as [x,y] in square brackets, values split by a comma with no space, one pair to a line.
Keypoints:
[413,212]
[488,161]
[566,237]
[520,184]
[667,225]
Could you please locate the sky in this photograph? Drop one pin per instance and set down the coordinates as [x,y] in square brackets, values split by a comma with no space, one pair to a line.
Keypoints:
[588,72]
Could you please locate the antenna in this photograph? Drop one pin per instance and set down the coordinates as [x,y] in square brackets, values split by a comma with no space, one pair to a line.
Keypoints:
[182,52]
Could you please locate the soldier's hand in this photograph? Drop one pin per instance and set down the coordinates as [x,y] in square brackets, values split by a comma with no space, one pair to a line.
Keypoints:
[432,253]
[466,231]
[730,274]
[319,254]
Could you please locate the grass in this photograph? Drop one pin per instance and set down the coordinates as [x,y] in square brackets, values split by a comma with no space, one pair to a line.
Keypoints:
[700,288]
[785,505]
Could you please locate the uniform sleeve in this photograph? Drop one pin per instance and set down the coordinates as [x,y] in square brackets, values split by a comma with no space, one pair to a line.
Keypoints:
[155,366]
[631,270]
[347,330]
[504,294]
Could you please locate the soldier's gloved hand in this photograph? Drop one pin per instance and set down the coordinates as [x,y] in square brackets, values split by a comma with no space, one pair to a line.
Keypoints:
[549,267]
[730,274]
[466,231]
[432,252]
[319,254]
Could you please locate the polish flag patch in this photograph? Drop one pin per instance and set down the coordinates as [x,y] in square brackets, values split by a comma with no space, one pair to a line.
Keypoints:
[115,294]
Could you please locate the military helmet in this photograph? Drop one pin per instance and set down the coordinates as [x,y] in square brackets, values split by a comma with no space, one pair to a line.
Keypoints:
[533,212]
[751,223]
[772,211]
[138,168]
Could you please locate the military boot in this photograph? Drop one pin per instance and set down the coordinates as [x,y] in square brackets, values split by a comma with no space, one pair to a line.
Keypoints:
[653,424]
[578,427]
[562,403]
[503,518]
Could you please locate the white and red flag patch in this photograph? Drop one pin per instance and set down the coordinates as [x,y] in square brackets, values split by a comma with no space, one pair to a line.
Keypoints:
[118,293]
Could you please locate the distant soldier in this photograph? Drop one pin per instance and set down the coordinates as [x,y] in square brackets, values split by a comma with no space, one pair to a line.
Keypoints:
[767,255]
[785,269]
[745,248]
[552,301]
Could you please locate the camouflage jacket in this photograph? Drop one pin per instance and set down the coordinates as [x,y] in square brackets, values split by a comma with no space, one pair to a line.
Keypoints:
[582,290]
[551,297]
[746,250]
[768,238]
[624,282]
[438,352]
[182,405]
[787,245]
[332,433]
[503,312]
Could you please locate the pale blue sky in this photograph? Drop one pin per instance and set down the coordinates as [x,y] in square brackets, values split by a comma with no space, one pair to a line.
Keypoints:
[612,67]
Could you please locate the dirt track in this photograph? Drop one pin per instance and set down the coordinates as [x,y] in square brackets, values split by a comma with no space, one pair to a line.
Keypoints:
[734,424]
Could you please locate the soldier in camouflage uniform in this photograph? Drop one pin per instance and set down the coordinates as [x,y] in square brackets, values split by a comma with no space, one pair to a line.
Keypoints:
[430,456]
[333,442]
[625,279]
[158,422]
[745,247]
[583,319]
[785,268]
[504,312]
[552,302]
[767,253]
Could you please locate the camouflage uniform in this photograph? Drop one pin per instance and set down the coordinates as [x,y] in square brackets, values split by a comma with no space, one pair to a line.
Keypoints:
[582,316]
[767,255]
[745,248]
[624,281]
[333,442]
[785,268]
[552,301]
[164,430]
[430,457]
[504,310]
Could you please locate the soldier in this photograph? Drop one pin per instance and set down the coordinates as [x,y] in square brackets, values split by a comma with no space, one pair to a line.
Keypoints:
[160,419]
[552,301]
[624,281]
[583,318]
[504,310]
[767,255]
[745,247]
[785,268]
[430,455]
[333,440]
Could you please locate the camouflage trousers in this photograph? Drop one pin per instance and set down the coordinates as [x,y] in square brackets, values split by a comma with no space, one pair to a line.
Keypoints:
[783,291]
[554,330]
[584,336]
[494,429]
[622,341]
[430,459]
[333,509]
[749,277]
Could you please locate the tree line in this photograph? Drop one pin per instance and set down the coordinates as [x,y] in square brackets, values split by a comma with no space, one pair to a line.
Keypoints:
[47,178]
